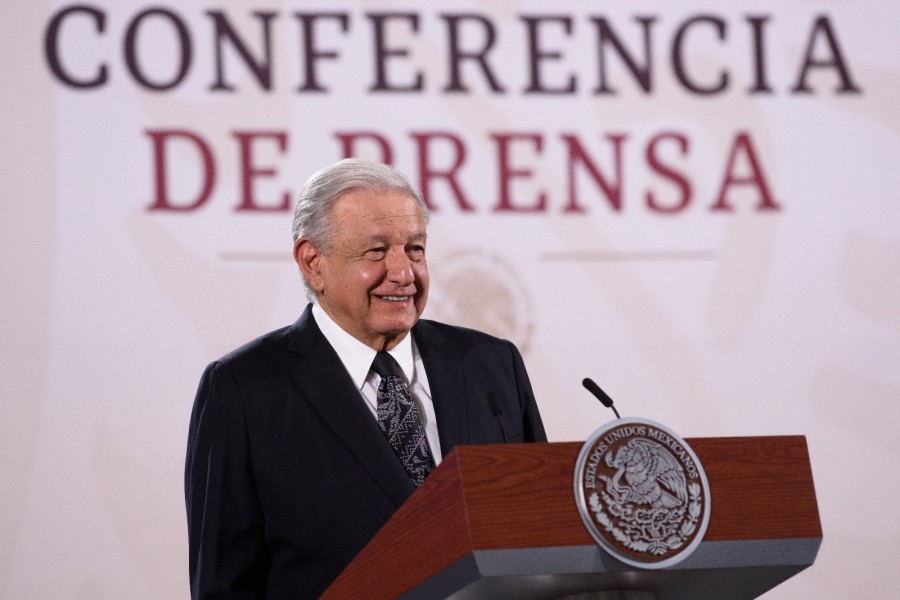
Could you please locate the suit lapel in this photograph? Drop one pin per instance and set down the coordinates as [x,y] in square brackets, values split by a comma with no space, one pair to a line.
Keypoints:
[332,394]
[447,382]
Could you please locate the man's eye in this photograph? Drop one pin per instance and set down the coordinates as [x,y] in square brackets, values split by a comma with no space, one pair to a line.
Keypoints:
[416,252]
[375,253]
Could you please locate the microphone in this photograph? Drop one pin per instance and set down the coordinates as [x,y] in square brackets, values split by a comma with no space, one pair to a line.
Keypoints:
[498,413]
[605,400]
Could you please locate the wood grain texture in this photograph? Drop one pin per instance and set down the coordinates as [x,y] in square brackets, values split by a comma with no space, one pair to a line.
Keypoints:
[522,496]
[761,488]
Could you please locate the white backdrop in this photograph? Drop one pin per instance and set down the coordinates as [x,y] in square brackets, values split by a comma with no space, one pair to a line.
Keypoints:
[778,316]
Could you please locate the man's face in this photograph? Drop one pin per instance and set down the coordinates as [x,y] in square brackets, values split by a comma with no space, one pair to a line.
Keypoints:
[373,280]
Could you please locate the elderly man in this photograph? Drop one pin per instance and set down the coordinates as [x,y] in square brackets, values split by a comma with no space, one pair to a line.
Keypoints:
[306,440]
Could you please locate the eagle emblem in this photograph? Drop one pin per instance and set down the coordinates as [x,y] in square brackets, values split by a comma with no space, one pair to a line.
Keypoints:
[642,493]
[652,474]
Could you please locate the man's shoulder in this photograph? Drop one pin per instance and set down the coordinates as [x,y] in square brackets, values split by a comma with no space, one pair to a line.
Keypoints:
[429,331]
[259,355]
[262,344]
[266,347]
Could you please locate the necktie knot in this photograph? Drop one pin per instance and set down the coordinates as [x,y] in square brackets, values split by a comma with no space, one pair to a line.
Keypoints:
[386,366]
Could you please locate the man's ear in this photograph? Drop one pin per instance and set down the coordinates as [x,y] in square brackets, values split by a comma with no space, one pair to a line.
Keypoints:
[309,259]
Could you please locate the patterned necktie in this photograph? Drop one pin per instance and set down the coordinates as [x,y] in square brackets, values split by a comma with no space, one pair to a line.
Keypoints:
[399,419]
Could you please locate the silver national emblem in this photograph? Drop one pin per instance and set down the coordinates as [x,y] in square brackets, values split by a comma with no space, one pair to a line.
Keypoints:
[642,493]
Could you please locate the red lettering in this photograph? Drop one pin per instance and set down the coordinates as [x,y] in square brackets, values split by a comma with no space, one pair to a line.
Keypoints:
[506,173]
[576,154]
[249,172]
[427,172]
[519,165]
[667,172]
[756,177]
[163,200]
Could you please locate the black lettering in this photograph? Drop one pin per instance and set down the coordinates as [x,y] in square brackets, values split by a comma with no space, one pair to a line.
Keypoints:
[642,73]
[51,47]
[536,55]
[184,52]
[678,56]
[382,53]
[311,53]
[261,69]
[836,60]
[760,85]
[457,55]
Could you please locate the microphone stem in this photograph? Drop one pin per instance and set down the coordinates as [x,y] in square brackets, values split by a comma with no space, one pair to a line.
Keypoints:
[502,428]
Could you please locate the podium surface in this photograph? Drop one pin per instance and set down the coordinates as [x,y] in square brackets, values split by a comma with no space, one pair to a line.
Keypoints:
[501,521]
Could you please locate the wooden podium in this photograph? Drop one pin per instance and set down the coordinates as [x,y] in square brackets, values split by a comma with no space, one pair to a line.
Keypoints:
[500,521]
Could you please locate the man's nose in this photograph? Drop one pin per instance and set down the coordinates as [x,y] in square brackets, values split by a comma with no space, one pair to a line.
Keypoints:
[399,267]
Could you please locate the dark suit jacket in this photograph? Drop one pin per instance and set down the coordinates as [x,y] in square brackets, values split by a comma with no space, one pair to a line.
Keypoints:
[288,475]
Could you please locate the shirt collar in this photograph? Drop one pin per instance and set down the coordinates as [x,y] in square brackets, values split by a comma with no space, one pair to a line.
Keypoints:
[356,356]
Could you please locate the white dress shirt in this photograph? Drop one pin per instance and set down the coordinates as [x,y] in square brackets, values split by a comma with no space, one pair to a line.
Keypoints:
[357,360]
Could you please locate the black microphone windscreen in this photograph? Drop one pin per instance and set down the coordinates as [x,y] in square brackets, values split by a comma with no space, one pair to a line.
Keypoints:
[593,388]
